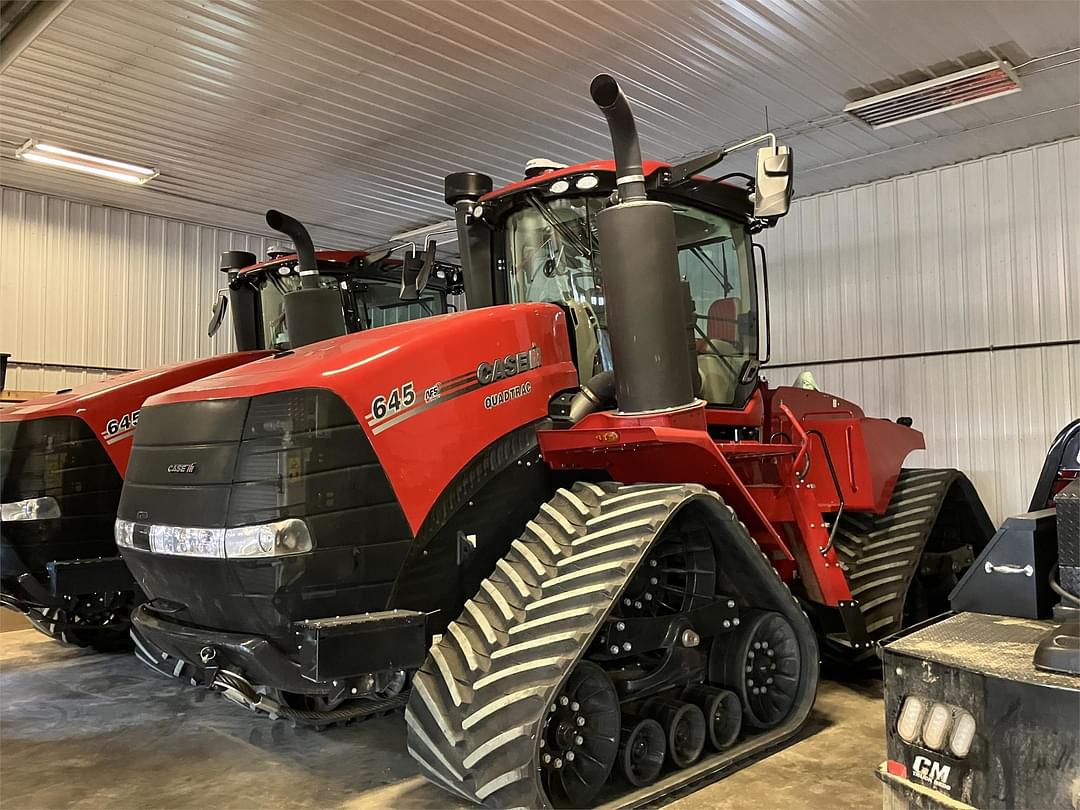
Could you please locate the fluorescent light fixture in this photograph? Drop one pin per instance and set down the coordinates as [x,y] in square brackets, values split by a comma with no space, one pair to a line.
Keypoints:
[48,155]
[418,234]
[939,95]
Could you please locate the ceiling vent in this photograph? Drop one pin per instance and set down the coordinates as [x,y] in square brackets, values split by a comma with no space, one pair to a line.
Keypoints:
[938,95]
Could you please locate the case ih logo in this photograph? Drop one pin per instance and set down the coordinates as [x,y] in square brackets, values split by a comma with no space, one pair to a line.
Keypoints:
[933,773]
[503,367]
[182,468]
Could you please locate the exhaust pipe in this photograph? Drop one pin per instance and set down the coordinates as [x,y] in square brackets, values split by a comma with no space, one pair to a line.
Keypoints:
[305,250]
[608,96]
[312,313]
[646,300]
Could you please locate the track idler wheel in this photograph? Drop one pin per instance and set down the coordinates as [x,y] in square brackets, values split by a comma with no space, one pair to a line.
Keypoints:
[760,662]
[684,725]
[723,714]
[579,741]
[642,752]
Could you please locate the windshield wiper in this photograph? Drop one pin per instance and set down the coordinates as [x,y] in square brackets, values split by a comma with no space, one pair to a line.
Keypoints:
[564,231]
[718,274]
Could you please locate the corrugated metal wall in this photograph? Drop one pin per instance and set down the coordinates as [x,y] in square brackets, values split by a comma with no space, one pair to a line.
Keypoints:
[931,270]
[86,288]
[950,272]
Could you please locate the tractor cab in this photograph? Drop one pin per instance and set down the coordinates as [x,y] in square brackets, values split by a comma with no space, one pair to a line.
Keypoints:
[540,235]
[368,287]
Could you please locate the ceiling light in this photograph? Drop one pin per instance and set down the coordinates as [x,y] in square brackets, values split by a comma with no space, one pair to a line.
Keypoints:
[938,95]
[48,155]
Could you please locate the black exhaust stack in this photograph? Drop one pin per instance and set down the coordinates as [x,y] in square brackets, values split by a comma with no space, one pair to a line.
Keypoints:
[312,313]
[645,298]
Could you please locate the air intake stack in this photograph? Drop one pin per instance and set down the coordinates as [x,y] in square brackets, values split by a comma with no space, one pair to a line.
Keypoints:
[644,296]
[312,313]
[243,299]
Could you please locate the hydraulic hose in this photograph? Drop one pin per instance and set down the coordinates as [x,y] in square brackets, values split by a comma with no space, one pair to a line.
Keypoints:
[608,96]
[305,250]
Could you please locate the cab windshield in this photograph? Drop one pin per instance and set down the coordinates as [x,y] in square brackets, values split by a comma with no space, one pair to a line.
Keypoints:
[367,303]
[552,256]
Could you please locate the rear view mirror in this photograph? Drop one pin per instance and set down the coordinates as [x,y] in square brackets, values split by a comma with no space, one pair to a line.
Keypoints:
[427,266]
[772,187]
[416,272]
[410,273]
[217,316]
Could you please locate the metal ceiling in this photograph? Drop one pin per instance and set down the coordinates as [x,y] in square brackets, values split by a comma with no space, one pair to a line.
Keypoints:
[349,114]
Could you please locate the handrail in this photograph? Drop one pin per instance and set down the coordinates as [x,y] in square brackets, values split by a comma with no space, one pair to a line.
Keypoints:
[805,440]
[836,485]
[805,435]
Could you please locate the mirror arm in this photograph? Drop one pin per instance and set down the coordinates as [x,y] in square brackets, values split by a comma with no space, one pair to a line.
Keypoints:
[686,170]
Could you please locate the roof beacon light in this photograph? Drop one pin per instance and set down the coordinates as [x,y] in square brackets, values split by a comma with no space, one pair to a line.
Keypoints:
[57,156]
[938,95]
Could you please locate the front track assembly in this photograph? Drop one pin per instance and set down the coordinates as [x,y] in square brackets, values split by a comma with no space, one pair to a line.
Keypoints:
[633,640]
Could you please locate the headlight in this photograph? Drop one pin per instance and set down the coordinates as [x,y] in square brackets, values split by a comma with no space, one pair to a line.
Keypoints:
[937,726]
[187,541]
[31,509]
[289,536]
[911,713]
[124,532]
[962,735]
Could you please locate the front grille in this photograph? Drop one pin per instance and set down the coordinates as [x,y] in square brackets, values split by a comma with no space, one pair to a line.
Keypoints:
[238,462]
[58,457]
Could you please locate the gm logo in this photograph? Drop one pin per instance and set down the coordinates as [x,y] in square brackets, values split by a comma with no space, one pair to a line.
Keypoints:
[182,468]
[936,773]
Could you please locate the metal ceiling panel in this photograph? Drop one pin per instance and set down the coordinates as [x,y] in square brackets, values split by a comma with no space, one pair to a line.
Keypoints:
[348,114]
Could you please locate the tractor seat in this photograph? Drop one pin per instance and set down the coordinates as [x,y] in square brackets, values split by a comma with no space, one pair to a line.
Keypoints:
[718,381]
[721,323]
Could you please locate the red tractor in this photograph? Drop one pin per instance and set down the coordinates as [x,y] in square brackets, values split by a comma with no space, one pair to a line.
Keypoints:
[64,456]
[574,518]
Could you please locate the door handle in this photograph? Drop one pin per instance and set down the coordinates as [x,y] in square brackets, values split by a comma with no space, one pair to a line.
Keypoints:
[1026,570]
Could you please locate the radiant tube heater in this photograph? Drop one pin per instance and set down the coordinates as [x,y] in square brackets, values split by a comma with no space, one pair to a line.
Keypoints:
[938,95]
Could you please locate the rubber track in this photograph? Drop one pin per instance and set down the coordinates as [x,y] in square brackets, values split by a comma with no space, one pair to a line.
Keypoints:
[881,553]
[478,701]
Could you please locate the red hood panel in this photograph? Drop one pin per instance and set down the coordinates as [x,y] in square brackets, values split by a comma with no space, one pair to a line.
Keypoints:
[110,407]
[427,392]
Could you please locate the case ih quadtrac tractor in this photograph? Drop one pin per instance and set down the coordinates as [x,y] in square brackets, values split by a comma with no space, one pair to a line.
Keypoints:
[64,456]
[571,527]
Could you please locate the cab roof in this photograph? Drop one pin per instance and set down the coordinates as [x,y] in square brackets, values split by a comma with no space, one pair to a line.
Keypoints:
[333,256]
[649,168]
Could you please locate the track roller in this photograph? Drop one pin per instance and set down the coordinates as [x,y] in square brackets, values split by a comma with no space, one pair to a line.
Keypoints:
[723,714]
[642,751]
[684,726]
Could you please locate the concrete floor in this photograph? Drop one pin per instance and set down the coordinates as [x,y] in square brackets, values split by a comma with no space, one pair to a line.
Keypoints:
[79,729]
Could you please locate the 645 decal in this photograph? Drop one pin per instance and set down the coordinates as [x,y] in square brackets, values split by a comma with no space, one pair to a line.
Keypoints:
[386,405]
[120,427]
